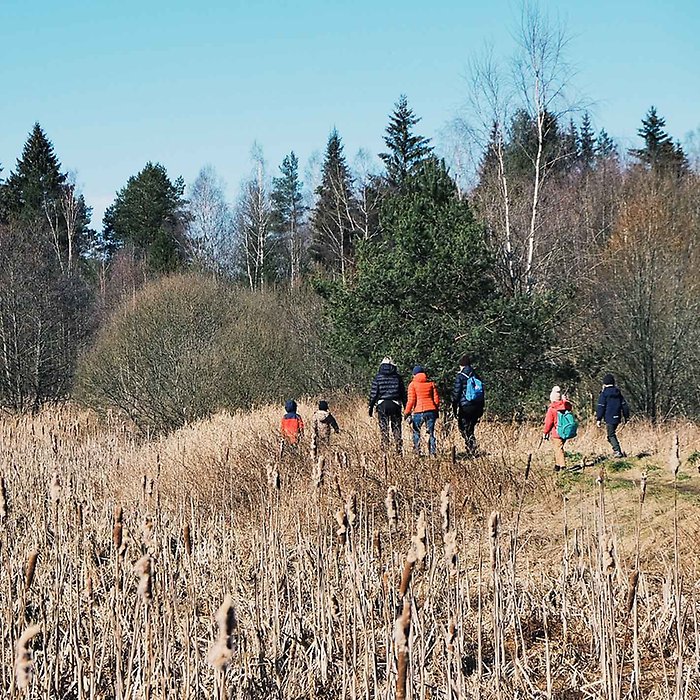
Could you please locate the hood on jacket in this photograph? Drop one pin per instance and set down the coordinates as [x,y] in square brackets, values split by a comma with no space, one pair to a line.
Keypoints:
[290,406]
[386,368]
[561,405]
[612,392]
[420,377]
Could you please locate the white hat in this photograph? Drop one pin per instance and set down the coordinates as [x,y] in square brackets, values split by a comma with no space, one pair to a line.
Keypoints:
[388,361]
[555,394]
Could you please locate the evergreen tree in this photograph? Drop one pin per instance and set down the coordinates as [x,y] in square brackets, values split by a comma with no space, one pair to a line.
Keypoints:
[405,150]
[425,292]
[570,145]
[605,147]
[288,212]
[586,143]
[149,214]
[334,216]
[659,152]
[38,194]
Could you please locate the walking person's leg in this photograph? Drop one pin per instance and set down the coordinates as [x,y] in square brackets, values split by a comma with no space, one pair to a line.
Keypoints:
[416,423]
[396,431]
[612,439]
[430,419]
[384,428]
[559,456]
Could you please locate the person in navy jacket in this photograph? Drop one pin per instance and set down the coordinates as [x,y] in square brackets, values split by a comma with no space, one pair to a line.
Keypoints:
[613,409]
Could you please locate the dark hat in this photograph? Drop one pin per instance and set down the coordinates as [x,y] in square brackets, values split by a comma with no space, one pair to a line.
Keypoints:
[418,369]
[609,379]
[464,361]
[290,405]
[323,405]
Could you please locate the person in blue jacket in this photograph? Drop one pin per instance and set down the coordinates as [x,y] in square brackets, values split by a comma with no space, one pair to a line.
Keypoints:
[613,409]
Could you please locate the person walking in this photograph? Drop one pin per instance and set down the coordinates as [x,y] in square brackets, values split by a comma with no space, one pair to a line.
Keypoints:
[292,426]
[467,402]
[324,421]
[612,408]
[423,401]
[557,403]
[388,394]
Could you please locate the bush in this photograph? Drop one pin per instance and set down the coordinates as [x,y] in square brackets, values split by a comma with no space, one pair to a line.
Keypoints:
[189,345]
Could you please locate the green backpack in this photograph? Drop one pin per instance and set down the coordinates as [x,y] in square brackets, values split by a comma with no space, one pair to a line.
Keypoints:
[566,425]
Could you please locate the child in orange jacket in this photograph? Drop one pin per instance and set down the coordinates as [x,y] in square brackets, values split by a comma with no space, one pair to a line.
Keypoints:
[292,426]
[423,401]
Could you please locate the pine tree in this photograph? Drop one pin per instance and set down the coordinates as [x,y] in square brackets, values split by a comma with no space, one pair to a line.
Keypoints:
[570,145]
[38,194]
[149,214]
[659,152]
[334,216]
[586,143]
[288,212]
[406,150]
[605,147]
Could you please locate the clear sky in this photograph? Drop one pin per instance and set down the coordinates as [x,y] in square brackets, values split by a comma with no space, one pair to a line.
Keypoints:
[116,84]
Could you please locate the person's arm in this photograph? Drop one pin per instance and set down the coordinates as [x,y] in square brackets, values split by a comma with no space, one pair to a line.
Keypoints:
[333,422]
[373,394]
[600,408]
[548,422]
[402,392]
[436,396]
[624,407]
[457,390]
[411,399]
[301,425]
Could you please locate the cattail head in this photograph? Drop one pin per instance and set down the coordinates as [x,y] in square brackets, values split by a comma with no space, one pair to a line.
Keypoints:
[23,658]
[313,447]
[30,570]
[609,556]
[418,548]
[390,504]
[450,635]
[187,538]
[351,508]
[528,466]
[221,653]
[494,522]
[273,476]
[147,530]
[643,487]
[632,591]
[55,488]
[144,570]
[3,499]
[342,531]
[377,544]
[445,500]
[450,540]
[319,472]
[674,457]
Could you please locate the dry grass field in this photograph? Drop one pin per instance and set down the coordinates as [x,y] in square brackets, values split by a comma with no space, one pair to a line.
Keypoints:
[204,565]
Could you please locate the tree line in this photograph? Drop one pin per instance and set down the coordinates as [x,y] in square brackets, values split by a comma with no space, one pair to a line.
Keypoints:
[560,258]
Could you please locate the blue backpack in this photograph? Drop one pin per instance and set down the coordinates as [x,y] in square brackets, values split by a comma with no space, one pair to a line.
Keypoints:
[566,425]
[473,389]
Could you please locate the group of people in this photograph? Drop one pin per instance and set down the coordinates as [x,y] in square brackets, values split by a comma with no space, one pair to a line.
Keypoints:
[419,406]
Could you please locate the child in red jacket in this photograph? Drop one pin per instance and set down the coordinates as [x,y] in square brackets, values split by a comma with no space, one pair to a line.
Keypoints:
[557,402]
[292,426]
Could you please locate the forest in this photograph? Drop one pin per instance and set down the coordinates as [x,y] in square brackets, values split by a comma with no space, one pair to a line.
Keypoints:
[554,257]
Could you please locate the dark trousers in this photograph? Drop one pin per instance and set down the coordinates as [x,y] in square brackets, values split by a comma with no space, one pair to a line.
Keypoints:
[467,418]
[612,437]
[390,418]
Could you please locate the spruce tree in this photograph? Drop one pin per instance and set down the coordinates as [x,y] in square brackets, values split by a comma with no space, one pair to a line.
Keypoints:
[605,147]
[149,213]
[333,218]
[288,212]
[405,150]
[586,143]
[659,152]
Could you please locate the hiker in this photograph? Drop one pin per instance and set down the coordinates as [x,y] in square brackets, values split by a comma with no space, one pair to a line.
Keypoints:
[388,394]
[557,404]
[612,408]
[292,426]
[324,422]
[423,401]
[467,402]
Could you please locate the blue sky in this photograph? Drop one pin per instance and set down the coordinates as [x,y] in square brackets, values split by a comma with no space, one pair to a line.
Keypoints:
[117,84]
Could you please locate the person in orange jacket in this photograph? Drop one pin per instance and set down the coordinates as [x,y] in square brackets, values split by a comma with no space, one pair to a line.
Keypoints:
[557,402]
[292,426]
[423,402]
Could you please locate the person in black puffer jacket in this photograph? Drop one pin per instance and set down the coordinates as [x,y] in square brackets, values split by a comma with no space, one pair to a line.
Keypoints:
[468,412]
[388,394]
[612,408]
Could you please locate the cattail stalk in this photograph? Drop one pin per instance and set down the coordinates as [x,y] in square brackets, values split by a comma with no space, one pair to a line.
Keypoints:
[402,628]
[23,658]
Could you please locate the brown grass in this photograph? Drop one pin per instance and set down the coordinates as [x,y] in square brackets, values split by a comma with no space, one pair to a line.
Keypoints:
[588,590]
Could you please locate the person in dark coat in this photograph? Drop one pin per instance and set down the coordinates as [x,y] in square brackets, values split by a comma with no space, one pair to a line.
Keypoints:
[467,410]
[612,408]
[388,395]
